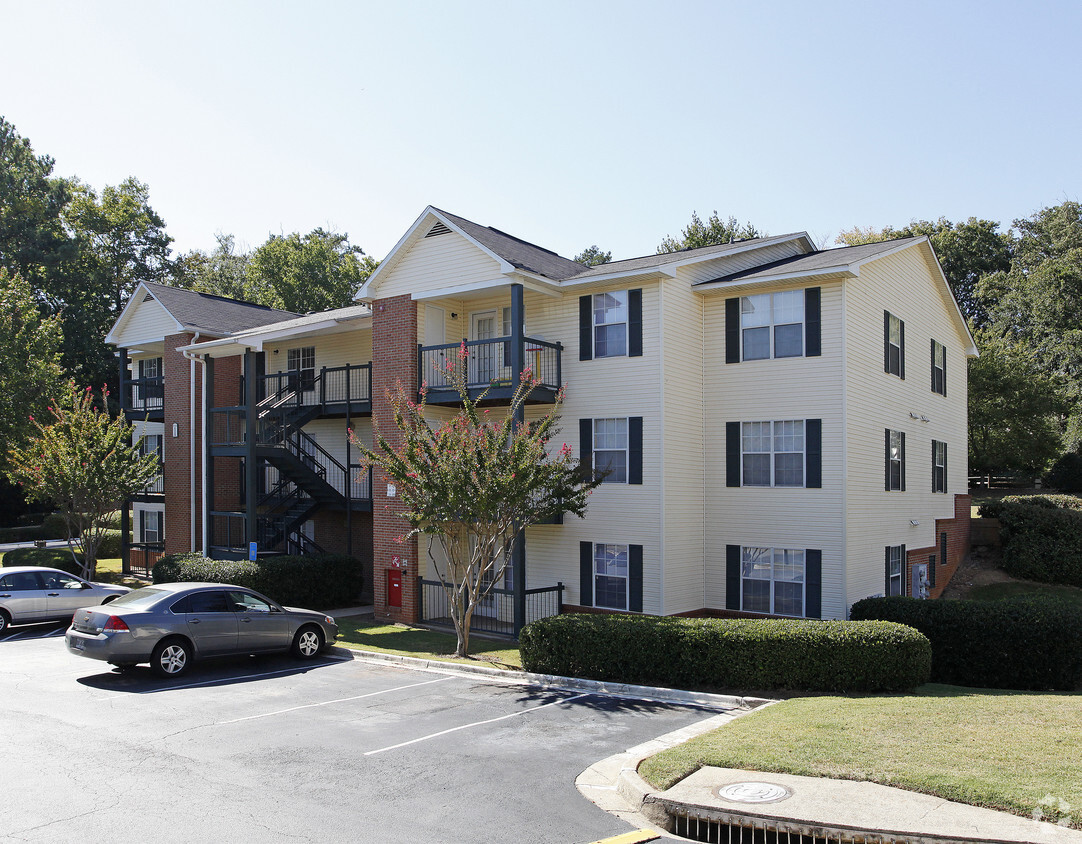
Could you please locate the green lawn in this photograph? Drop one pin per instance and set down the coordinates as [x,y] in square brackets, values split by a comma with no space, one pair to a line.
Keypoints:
[1014,588]
[367,635]
[1003,750]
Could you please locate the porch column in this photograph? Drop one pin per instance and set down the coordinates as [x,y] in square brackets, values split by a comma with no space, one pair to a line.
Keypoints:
[125,511]
[518,581]
[208,449]
[251,475]
[518,363]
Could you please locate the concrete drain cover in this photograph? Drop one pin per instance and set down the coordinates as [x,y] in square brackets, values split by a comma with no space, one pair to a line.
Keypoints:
[753,792]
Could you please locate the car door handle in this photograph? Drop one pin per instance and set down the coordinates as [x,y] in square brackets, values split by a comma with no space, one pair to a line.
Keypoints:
[52,594]
[193,620]
[246,620]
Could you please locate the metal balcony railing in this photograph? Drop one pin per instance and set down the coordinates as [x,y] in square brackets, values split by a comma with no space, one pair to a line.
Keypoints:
[488,363]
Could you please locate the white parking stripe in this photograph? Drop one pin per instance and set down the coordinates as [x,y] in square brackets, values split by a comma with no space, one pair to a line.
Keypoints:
[215,681]
[474,724]
[329,702]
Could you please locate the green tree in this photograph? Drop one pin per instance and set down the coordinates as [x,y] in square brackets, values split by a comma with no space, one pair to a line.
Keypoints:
[314,272]
[86,463]
[222,272]
[1014,409]
[591,256]
[966,251]
[29,360]
[32,200]
[711,233]
[473,482]
[1049,234]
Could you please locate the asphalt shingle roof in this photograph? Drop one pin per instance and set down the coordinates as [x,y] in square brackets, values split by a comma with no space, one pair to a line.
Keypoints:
[816,261]
[214,314]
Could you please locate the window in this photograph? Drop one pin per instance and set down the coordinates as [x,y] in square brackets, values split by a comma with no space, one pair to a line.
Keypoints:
[243,602]
[215,601]
[610,450]
[610,324]
[151,444]
[895,574]
[939,466]
[303,362]
[773,453]
[893,345]
[772,581]
[610,576]
[895,460]
[939,368]
[20,582]
[772,325]
[150,527]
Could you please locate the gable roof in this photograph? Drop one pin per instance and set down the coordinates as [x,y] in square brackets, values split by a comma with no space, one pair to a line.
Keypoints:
[203,312]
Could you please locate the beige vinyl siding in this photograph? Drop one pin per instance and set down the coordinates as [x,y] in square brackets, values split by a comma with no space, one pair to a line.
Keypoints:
[683,460]
[876,401]
[710,270]
[432,263]
[148,322]
[773,390]
[626,514]
[352,347]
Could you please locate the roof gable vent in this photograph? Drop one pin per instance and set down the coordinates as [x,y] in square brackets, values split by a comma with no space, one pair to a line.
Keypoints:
[149,297]
[437,230]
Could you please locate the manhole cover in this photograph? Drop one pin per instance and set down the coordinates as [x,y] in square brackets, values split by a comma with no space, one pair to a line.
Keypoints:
[753,792]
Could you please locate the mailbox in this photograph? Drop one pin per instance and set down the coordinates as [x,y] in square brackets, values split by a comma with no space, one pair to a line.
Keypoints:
[394,588]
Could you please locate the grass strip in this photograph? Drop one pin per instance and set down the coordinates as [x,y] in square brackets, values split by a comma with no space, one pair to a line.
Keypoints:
[1012,751]
[366,635]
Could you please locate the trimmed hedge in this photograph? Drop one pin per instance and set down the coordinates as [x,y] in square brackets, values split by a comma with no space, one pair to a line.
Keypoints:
[53,526]
[1041,535]
[1027,642]
[50,558]
[315,582]
[760,654]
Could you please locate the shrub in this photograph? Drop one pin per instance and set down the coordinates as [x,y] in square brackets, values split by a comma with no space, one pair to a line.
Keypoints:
[834,656]
[1027,642]
[50,558]
[110,545]
[1066,473]
[1042,537]
[316,582]
[54,526]
[21,534]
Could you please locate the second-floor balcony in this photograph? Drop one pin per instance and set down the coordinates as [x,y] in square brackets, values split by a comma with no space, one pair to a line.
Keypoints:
[331,390]
[144,398]
[489,365]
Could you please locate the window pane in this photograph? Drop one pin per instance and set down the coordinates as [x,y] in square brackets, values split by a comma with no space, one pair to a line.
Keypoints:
[789,470]
[756,436]
[610,433]
[610,307]
[756,470]
[755,310]
[789,307]
[209,602]
[789,565]
[756,343]
[756,562]
[789,435]
[612,465]
[789,598]
[895,332]
[611,560]
[789,341]
[610,592]
[756,596]
[610,340]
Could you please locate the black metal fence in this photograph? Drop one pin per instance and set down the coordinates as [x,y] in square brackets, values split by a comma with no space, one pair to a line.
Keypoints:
[496,614]
[487,362]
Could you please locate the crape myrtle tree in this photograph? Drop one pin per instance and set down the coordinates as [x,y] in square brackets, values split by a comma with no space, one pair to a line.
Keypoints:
[474,482]
[84,462]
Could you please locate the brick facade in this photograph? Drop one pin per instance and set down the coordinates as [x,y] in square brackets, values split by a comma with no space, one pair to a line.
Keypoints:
[176,372]
[330,534]
[394,363]
[958,533]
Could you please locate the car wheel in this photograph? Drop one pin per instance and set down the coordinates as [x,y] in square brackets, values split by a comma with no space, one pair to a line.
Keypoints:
[307,643]
[4,620]
[171,658]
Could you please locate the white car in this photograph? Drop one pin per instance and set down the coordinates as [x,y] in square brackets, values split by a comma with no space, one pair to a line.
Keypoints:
[29,595]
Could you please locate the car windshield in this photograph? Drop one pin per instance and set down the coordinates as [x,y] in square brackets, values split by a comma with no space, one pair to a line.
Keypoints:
[140,598]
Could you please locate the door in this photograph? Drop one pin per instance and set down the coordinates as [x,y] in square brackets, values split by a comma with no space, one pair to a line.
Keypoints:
[261,626]
[64,594]
[212,623]
[436,335]
[22,595]
[483,358]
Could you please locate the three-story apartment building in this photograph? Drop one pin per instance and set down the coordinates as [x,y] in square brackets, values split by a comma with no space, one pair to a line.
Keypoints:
[783,429]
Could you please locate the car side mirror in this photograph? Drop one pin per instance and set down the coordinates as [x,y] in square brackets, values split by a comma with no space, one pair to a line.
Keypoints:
[86,585]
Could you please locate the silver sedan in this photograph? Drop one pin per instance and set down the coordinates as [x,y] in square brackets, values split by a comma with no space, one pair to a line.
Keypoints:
[32,594]
[170,625]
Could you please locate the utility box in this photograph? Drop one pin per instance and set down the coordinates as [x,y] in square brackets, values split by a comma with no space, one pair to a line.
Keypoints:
[394,588]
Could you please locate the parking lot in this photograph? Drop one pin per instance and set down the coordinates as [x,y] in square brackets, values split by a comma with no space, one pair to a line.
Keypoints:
[268,749]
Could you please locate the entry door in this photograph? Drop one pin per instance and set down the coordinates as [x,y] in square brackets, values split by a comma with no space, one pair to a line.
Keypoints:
[436,335]
[483,358]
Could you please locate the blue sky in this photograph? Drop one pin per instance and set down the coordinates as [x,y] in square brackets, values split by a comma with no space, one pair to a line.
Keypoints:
[564,123]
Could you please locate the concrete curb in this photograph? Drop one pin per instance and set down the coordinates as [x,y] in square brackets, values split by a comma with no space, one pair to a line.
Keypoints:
[573,684]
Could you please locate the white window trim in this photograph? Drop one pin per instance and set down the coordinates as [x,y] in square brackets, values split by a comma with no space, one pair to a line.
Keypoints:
[900,345]
[900,461]
[901,569]
[936,466]
[804,455]
[772,324]
[626,449]
[594,324]
[626,578]
[803,582]
[940,349]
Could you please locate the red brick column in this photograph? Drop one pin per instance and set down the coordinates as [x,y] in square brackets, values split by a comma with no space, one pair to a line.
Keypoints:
[394,362]
[176,373]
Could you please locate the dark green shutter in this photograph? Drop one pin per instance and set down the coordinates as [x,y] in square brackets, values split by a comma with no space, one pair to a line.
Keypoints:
[901,342]
[813,342]
[813,443]
[934,390]
[586,448]
[634,450]
[886,571]
[732,454]
[944,370]
[901,436]
[732,330]
[732,577]
[634,323]
[634,581]
[813,583]
[886,477]
[886,341]
[586,574]
[586,327]
[945,487]
[142,523]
